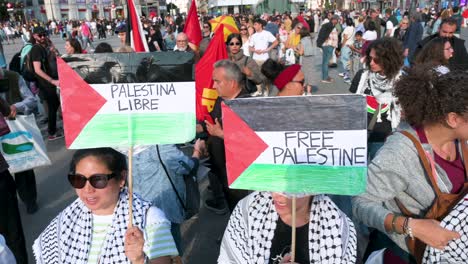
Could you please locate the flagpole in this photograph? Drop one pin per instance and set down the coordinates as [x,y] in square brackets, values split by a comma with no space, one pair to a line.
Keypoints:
[293,230]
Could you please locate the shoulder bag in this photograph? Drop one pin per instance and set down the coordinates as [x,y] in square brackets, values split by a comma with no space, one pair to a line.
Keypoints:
[192,193]
[443,202]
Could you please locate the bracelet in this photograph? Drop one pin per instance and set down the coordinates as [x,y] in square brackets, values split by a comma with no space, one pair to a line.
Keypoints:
[395,216]
[405,226]
[408,229]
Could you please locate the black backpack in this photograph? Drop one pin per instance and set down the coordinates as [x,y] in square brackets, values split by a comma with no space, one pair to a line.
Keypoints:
[15,63]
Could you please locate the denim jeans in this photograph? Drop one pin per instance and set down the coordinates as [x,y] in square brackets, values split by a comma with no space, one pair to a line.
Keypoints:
[327,52]
[345,60]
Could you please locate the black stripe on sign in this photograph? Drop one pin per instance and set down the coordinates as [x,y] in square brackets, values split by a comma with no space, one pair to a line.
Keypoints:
[302,113]
[139,67]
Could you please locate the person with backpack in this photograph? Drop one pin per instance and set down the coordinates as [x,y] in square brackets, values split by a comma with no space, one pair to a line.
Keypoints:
[47,85]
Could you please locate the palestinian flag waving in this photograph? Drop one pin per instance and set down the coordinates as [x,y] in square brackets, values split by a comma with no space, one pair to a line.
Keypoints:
[297,145]
[135,36]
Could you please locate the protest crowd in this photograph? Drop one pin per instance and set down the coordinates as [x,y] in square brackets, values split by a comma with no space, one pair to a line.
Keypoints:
[410,65]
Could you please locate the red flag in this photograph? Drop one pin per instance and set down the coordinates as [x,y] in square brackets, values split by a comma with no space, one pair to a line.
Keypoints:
[135,36]
[206,94]
[192,25]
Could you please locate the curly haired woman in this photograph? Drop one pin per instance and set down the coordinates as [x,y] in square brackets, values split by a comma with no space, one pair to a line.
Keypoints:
[384,60]
[436,111]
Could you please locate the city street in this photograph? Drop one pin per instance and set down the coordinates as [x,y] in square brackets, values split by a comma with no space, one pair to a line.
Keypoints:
[200,234]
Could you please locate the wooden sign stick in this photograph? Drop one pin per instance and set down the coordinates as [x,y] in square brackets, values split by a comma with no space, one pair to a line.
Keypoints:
[293,230]
[130,186]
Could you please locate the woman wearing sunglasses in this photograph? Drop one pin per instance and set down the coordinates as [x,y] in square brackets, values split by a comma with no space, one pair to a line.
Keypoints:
[94,228]
[384,60]
[247,65]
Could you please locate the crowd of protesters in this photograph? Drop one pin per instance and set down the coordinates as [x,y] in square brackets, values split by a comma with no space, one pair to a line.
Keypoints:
[411,66]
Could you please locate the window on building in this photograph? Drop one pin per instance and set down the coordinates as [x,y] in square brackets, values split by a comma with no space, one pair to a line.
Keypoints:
[63,1]
[81,1]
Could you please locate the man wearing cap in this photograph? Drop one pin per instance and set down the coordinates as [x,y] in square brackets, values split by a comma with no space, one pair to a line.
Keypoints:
[122,34]
[228,80]
[47,85]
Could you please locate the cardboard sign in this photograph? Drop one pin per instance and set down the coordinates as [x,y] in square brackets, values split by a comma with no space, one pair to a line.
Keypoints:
[306,144]
[123,99]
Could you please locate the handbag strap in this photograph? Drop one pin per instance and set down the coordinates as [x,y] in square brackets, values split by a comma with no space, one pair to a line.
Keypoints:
[245,61]
[464,147]
[424,160]
[170,180]
[427,167]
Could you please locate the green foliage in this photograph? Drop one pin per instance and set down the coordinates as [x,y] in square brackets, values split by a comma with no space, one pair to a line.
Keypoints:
[328,6]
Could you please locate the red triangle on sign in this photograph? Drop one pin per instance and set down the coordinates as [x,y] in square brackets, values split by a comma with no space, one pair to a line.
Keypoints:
[242,144]
[80,102]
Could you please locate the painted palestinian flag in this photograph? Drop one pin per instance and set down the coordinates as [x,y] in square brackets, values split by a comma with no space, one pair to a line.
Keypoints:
[372,105]
[297,145]
[123,99]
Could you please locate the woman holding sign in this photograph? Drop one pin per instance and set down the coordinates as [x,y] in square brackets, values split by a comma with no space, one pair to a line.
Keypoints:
[419,166]
[259,231]
[94,228]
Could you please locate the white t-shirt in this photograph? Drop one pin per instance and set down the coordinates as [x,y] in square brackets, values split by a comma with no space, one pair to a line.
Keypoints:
[260,41]
[370,35]
[389,26]
[349,32]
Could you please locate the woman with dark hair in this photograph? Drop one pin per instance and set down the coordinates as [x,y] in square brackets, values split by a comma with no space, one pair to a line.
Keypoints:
[259,231]
[95,227]
[155,41]
[247,65]
[73,46]
[384,60]
[436,52]
[103,47]
[399,185]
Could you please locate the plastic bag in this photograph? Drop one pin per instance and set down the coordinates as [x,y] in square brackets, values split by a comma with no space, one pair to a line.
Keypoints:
[23,148]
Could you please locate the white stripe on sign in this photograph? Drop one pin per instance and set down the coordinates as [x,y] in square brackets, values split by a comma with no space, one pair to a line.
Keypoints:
[330,148]
[178,97]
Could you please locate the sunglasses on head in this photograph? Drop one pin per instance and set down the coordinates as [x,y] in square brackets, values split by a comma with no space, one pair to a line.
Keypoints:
[98,181]
[243,28]
[234,43]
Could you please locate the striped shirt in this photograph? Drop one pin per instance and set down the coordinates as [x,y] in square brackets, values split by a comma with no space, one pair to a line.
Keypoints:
[157,233]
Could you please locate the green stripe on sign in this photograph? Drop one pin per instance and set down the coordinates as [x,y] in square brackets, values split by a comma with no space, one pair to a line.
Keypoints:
[303,179]
[107,130]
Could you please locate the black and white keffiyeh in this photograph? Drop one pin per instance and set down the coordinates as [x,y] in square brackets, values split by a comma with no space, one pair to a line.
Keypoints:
[457,250]
[67,239]
[248,236]
[382,89]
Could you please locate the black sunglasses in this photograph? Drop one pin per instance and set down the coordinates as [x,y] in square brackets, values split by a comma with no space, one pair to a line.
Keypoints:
[42,35]
[234,44]
[98,181]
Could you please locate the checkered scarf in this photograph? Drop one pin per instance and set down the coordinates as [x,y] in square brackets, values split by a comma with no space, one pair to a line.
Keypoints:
[248,236]
[67,239]
[457,250]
